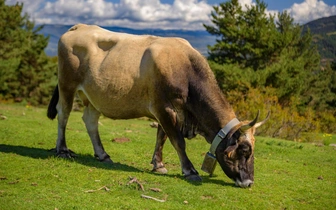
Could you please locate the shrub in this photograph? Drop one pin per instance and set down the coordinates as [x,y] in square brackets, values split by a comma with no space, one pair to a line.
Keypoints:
[285,122]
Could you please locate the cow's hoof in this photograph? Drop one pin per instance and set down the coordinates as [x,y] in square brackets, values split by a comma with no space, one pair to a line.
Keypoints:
[193,178]
[161,170]
[105,159]
[66,154]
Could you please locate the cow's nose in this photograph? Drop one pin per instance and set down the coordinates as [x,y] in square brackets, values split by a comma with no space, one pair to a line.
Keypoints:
[245,183]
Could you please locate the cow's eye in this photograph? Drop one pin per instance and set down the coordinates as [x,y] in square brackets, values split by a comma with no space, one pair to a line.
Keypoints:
[244,150]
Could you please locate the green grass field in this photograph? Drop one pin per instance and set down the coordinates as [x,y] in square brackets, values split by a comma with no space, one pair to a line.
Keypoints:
[288,175]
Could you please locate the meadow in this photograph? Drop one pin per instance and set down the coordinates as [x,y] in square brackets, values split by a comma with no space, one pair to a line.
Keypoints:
[288,174]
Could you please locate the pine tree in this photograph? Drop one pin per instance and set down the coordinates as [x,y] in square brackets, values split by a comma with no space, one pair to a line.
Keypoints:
[26,72]
[276,51]
[244,37]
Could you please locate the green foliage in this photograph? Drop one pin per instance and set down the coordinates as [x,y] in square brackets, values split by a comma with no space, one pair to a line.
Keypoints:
[288,175]
[285,122]
[256,58]
[331,76]
[26,72]
[327,120]
[277,52]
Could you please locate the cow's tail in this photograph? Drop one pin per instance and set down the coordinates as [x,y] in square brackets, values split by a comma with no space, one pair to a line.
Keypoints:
[52,111]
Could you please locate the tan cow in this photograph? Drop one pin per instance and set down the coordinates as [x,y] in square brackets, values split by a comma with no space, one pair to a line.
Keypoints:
[126,76]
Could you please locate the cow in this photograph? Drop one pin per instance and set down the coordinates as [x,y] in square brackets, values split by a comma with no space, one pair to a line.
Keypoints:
[124,76]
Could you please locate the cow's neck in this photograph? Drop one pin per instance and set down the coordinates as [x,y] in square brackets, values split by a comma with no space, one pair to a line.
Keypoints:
[210,108]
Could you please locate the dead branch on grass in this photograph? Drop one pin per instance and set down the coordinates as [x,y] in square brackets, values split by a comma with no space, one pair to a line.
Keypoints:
[135,180]
[155,189]
[150,197]
[103,187]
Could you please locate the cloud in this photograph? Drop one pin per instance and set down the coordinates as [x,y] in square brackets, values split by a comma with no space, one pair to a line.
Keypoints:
[249,3]
[303,12]
[311,10]
[29,6]
[182,14]
[246,2]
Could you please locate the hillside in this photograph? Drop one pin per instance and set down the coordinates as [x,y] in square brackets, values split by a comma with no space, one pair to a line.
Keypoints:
[324,35]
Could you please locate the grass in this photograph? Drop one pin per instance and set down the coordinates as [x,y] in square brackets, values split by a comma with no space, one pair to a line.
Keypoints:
[288,175]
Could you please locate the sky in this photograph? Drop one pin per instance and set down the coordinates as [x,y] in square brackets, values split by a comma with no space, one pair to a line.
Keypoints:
[162,14]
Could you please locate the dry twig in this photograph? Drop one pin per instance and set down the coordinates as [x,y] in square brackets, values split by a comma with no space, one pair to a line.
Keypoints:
[150,197]
[155,189]
[134,179]
[103,187]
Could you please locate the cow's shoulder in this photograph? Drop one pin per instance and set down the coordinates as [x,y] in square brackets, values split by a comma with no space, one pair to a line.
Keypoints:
[173,43]
[175,50]
[170,49]
[183,59]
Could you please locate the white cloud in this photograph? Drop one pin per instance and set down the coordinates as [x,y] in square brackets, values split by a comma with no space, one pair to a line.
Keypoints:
[311,10]
[249,3]
[30,7]
[182,14]
[245,3]
[303,12]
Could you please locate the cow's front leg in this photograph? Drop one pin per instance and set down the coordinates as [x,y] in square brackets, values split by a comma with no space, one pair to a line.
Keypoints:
[172,129]
[188,170]
[161,138]
[90,118]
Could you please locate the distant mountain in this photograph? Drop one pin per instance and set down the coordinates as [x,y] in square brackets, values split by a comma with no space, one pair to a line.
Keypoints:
[198,39]
[324,35]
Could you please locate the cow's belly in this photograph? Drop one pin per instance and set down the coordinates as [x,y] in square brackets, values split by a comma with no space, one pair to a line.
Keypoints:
[118,101]
[123,111]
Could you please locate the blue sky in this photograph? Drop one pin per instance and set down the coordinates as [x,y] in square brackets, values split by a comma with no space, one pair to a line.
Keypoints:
[164,14]
[272,4]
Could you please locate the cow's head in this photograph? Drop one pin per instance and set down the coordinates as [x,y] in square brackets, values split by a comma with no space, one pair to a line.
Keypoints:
[235,153]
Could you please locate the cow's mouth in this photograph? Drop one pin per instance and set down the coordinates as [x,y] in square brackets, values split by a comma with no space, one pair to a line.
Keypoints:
[244,184]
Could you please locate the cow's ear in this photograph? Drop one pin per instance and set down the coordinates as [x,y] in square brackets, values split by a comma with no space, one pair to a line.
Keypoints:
[230,151]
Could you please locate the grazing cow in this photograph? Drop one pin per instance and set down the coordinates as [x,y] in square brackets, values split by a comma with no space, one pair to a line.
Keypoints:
[125,76]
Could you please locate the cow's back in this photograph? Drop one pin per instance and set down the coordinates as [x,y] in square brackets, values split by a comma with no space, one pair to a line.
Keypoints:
[119,73]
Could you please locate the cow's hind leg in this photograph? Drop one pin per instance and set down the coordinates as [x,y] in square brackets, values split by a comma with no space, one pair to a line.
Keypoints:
[161,138]
[63,107]
[90,117]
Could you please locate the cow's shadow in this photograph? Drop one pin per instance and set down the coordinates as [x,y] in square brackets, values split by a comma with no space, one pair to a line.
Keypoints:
[88,160]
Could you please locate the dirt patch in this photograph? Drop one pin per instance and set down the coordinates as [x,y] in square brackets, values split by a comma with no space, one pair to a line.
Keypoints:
[206,197]
[121,140]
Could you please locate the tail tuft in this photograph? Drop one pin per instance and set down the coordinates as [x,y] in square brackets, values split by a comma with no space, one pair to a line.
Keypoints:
[52,111]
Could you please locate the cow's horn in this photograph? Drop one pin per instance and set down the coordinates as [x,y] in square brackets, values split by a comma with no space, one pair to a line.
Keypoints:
[252,123]
[262,122]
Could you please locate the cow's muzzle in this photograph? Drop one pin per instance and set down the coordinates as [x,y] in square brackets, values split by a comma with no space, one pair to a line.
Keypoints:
[244,184]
